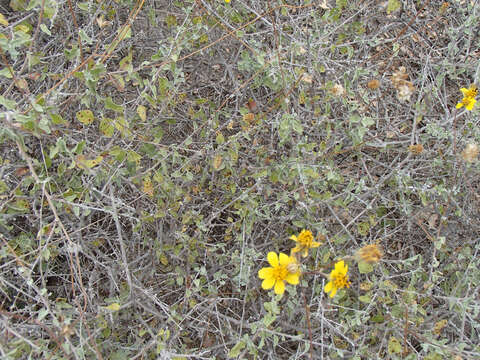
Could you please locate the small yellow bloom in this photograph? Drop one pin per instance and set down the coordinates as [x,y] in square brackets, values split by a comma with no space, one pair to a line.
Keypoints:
[227,1]
[370,253]
[338,279]
[283,268]
[304,242]
[468,97]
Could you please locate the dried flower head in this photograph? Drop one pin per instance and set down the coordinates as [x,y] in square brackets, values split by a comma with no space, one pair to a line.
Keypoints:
[370,253]
[470,153]
[338,279]
[405,90]
[307,78]
[337,90]
[399,76]
[416,149]
[304,242]
[283,268]
[373,84]
[400,81]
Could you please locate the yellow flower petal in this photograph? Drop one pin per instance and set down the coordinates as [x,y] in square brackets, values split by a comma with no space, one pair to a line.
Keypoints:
[294,238]
[315,244]
[328,287]
[464,91]
[470,104]
[334,291]
[268,283]
[265,273]
[279,287]
[339,265]
[284,259]
[293,279]
[296,249]
[305,253]
[272,259]
[459,105]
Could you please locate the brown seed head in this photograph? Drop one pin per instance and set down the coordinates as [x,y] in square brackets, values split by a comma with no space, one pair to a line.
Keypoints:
[470,153]
[373,84]
[370,253]
[416,149]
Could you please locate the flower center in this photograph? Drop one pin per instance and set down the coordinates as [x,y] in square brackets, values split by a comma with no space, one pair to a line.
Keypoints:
[341,281]
[280,272]
[306,240]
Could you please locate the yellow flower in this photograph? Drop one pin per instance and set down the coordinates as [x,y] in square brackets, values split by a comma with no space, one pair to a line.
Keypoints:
[370,253]
[468,97]
[227,1]
[283,268]
[304,242]
[338,279]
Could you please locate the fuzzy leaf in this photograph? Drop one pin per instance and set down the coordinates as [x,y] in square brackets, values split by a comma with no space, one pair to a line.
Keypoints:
[85,117]
[393,5]
[364,267]
[113,307]
[235,351]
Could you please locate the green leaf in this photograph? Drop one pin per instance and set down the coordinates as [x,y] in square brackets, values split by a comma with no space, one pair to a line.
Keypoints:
[394,346]
[45,29]
[235,351]
[72,54]
[366,121]
[85,38]
[83,6]
[41,314]
[9,104]
[18,5]
[84,163]
[364,267]
[171,20]
[113,307]
[109,104]
[33,3]
[378,318]
[85,117]
[366,299]
[393,5]
[44,125]
[7,72]
[122,125]
[126,62]
[3,187]
[57,119]
[106,127]
[118,153]
[124,33]
[299,224]
[363,228]
[220,138]
[132,156]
